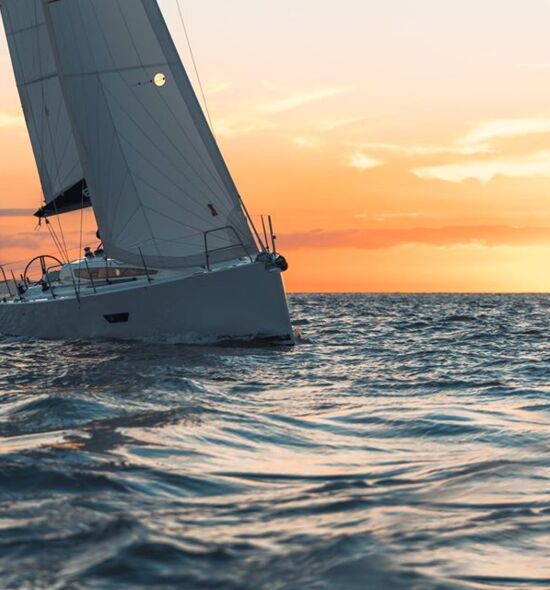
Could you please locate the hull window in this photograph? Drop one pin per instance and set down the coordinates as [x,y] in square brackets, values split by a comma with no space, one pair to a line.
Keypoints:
[117,318]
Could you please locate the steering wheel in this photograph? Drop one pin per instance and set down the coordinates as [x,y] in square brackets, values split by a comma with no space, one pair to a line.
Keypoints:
[43,267]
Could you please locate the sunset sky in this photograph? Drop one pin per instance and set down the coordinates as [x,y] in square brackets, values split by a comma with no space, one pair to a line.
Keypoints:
[401,145]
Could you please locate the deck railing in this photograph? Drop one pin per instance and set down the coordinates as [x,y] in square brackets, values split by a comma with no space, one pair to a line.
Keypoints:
[209,252]
[51,287]
[15,289]
[4,280]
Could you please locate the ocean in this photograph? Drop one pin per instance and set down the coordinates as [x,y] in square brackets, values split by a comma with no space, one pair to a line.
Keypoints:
[403,444]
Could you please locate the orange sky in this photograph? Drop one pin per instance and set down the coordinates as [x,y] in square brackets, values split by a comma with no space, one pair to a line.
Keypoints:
[403,147]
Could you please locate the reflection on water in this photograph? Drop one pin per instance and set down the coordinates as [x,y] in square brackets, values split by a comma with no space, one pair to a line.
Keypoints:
[403,444]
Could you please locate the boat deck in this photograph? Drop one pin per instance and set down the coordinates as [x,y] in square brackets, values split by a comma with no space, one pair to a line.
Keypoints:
[76,280]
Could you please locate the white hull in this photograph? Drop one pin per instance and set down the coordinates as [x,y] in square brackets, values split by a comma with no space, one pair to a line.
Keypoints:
[243,302]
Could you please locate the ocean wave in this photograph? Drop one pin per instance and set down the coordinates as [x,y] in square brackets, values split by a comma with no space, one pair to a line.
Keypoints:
[403,444]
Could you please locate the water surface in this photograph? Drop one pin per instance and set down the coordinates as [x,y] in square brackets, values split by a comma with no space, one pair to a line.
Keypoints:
[405,444]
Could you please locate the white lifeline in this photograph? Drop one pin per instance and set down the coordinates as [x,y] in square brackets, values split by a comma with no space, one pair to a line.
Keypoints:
[115,125]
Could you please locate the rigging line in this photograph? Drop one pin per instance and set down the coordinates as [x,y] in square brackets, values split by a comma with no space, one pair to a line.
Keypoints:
[31,113]
[61,230]
[62,240]
[44,124]
[54,140]
[54,201]
[80,244]
[217,180]
[203,94]
[54,238]
[247,214]
[42,163]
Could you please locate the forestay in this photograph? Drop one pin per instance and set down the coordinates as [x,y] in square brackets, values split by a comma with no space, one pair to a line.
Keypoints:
[43,106]
[157,178]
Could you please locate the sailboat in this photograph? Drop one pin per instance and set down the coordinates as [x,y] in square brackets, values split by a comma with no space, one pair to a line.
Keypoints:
[115,125]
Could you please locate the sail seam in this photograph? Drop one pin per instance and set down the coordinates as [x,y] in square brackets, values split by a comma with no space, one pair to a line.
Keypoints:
[153,11]
[175,202]
[123,154]
[65,148]
[155,168]
[14,32]
[169,63]
[119,70]
[195,110]
[118,135]
[37,80]
[163,153]
[41,98]
[30,110]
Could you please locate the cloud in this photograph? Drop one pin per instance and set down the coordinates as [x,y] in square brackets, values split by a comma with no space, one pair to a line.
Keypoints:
[427,150]
[390,216]
[537,164]
[297,100]
[217,88]
[506,128]
[478,141]
[231,127]
[25,240]
[10,120]
[379,239]
[361,161]
[16,212]
[335,124]
[308,142]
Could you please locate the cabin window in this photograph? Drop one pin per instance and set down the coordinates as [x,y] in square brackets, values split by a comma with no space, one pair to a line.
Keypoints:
[104,273]
[125,273]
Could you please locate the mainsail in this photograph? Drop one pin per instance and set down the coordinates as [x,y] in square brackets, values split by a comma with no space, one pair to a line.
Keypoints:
[160,188]
[44,108]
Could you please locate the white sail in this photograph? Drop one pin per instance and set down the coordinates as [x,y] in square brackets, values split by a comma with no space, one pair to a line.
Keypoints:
[44,108]
[159,185]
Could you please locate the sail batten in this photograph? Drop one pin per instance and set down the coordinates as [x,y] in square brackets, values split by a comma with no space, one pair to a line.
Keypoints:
[37,80]
[126,69]
[164,189]
[47,120]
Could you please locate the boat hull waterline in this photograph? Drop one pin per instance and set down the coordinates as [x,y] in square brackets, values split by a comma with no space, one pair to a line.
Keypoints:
[242,303]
